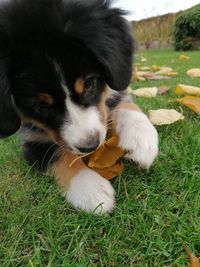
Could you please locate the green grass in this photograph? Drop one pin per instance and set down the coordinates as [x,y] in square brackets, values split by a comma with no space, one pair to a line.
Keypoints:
[162,211]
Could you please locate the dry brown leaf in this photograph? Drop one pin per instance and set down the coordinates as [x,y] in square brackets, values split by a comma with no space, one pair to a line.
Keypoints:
[195,73]
[164,116]
[183,57]
[187,89]
[112,171]
[194,261]
[148,75]
[145,92]
[192,102]
[105,159]
[163,89]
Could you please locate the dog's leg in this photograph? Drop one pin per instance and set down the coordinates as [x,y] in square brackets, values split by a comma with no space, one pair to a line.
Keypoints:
[137,136]
[81,186]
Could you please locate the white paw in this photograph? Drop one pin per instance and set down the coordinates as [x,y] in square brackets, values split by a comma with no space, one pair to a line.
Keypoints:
[91,192]
[138,137]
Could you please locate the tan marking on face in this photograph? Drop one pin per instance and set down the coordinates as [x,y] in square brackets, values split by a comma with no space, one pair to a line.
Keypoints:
[46,98]
[53,136]
[63,171]
[102,105]
[79,86]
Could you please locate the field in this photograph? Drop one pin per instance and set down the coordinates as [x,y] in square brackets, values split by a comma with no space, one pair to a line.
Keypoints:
[159,212]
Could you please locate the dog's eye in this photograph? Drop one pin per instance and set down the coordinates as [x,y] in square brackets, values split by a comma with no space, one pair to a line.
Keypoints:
[90,83]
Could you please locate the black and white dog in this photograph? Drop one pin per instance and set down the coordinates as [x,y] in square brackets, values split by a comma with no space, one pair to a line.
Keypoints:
[59,60]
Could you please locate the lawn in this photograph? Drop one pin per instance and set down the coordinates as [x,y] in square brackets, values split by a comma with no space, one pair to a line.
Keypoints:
[159,212]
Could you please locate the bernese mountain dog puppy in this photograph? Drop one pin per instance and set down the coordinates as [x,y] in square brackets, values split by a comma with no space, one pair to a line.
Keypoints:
[65,66]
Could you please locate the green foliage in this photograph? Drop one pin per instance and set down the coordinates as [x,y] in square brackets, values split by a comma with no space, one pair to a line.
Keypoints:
[187,29]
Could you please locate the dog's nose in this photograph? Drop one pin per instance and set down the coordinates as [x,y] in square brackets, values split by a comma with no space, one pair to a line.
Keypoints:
[89,147]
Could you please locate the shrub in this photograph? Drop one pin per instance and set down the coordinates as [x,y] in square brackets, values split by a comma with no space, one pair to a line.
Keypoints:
[187,29]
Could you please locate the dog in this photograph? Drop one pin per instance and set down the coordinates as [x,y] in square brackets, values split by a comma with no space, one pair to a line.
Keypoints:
[64,71]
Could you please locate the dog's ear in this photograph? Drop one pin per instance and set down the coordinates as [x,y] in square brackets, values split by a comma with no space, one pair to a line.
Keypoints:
[9,120]
[107,35]
[114,50]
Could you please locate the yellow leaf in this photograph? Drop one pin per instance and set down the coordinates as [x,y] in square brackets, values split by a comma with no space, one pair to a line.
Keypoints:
[164,116]
[156,67]
[146,92]
[172,73]
[187,89]
[195,73]
[194,261]
[192,102]
[183,57]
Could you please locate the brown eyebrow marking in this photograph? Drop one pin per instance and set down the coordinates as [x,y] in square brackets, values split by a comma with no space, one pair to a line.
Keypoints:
[79,86]
[46,98]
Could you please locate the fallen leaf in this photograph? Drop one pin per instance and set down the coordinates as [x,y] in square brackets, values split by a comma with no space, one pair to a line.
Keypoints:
[143,59]
[164,116]
[195,73]
[145,92]
[183,57]
[164,70]
[194,261]
[172,73]
[156,67]
[105,159]
[158,77]
[145,68]
[112,171]
[192,102]
[148,75]
[163,89]
[187,89]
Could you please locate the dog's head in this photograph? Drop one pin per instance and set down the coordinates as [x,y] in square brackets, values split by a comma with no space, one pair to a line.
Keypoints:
[57,60]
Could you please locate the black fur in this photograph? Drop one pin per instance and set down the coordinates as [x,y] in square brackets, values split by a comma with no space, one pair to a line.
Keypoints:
[40,155]
[81,37]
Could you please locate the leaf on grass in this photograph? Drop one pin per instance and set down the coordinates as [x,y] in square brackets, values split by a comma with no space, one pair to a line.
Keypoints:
[164,116]
[163,89]
[183,57]
[105,159]
[156,67]
[192,102]
[195,73]
[145,68]
[145,92]
[194,261]
[187,89]
[164,70]
[143,59]
[158,77]
[137,76]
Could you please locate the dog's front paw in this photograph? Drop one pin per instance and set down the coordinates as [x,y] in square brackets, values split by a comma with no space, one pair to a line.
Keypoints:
[91,192]
[137,136]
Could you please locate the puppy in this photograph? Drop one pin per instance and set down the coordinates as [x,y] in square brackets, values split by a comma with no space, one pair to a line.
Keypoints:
[64,69]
